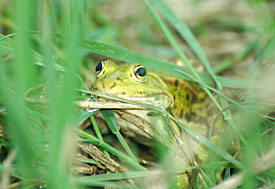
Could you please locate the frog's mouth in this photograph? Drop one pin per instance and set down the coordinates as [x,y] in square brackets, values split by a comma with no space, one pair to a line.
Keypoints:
[163,101]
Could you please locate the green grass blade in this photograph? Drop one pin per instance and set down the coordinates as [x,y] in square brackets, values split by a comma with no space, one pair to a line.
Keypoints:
[83,115]
[23,136]
[113,125]
[186,33]
[98,133]
[159,65]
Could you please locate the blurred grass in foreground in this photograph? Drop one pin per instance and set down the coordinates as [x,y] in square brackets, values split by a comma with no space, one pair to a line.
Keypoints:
[46,49]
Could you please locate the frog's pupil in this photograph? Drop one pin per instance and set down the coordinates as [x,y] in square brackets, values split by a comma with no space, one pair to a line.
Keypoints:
[98,67]
[141,72]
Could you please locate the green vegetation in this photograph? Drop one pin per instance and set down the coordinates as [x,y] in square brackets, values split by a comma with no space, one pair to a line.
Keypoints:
[48,51]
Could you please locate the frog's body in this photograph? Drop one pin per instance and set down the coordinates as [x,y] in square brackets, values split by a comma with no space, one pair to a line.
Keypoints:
[185,100]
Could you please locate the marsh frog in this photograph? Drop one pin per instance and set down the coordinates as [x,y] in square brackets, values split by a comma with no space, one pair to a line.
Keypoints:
[185,100]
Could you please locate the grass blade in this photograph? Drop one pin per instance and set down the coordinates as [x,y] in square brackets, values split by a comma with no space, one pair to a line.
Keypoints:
[160,65]
[186,33]
[113,125]
[98,133]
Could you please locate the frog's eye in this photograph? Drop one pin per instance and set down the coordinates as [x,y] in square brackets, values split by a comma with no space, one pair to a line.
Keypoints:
[139,73]
[100,68]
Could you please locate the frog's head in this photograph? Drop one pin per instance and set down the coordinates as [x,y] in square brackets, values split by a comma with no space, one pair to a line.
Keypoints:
[132,82]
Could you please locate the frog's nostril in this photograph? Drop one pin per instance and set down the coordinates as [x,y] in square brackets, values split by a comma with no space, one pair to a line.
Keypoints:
[119,79]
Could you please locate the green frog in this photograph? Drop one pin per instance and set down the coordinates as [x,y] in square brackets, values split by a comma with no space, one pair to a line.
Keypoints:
[185,100]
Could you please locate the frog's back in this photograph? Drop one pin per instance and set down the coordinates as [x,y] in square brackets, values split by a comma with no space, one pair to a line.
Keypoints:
[192,105]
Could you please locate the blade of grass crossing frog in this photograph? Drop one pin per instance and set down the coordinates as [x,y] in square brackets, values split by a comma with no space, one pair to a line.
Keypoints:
[98,133]
[109,117]
[148,106]
[112,150]
[202,139]
[177,48]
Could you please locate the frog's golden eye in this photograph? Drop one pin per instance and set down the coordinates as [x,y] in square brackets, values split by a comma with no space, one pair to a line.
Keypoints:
[139,73]
[100,68]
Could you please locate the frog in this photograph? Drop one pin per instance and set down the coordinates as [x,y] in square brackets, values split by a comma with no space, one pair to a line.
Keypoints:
[185,100]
